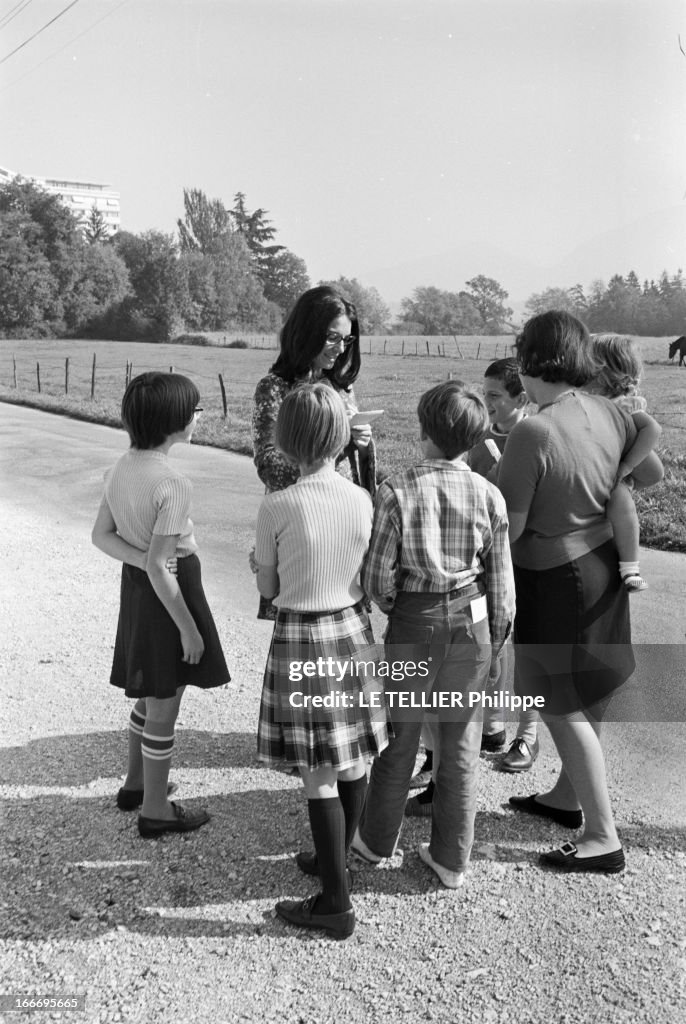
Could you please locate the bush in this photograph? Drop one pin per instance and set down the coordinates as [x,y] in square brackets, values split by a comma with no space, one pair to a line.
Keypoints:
[190,339]
[238,343]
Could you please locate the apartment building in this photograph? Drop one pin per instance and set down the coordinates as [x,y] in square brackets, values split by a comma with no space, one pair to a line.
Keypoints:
[79,196]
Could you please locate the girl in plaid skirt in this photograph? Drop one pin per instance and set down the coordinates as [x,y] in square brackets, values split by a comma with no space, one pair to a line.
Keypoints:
[321,711]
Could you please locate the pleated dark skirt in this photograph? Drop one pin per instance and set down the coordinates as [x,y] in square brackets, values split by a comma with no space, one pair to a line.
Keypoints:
[148,653]
[308,737]
[572,632]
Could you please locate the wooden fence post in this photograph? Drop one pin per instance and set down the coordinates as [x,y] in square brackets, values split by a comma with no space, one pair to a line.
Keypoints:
[459,351]
[171,369]
[384,345]
[38,376]
[66,376]
[478,349]
[403,351]
[223,390]
[14,369]
[427,349]
[93,378]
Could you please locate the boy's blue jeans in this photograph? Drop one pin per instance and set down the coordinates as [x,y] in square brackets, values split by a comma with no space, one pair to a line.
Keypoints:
[439,627]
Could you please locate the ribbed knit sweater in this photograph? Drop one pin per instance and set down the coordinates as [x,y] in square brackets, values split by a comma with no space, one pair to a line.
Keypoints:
[147,496]
[316,532]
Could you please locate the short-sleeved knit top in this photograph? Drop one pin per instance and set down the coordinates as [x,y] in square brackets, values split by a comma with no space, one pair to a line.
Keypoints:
[147,496]
[559,467]
[317,533]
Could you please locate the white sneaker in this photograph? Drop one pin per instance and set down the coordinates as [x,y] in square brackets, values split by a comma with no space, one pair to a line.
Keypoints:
[634,583]
[450,879]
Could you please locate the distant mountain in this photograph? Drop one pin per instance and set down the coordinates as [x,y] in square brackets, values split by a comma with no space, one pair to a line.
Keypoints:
[451,270]
[649,245]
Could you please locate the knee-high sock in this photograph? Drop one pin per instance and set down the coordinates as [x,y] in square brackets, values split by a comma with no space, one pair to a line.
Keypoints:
[352,796]
[327,822]
[157,746]
[134,769]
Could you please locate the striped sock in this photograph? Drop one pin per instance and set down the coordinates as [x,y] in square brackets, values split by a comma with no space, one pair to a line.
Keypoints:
[157,748]
[136,723]
[157,755]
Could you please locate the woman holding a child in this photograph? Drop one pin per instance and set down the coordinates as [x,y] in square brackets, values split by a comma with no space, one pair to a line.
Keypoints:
[572,627]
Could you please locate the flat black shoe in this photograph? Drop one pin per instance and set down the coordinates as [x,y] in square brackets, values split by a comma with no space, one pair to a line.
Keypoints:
[566,860]
[130,799]
[529,804]
[299,913]
[308,863]
[185,821]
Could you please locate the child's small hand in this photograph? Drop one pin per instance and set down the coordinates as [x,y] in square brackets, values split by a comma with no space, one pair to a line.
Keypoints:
[252,561]
[193,646]
[171,565]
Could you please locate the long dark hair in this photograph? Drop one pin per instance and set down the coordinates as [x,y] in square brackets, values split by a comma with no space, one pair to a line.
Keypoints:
[304,334]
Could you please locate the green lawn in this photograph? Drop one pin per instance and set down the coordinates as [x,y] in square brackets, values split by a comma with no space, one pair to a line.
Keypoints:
[392,382]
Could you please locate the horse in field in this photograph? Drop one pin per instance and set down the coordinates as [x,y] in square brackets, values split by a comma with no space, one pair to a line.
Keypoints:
[678,346]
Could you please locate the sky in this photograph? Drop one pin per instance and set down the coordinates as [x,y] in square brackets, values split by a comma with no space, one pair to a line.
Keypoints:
[378,134]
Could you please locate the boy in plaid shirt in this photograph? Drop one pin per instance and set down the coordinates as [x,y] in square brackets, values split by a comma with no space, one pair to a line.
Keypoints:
[439,565]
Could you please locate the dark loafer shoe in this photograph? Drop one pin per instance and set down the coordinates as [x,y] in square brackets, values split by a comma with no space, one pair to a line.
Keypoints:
[520,757]
[566,859]
[308,863]
[299,913]
[185,821]
[130,799]
[529,804]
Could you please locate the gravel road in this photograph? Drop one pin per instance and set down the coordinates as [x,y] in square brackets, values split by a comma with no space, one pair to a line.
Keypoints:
[182,928]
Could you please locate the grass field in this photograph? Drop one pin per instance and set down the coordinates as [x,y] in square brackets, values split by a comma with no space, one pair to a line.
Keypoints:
[392,382]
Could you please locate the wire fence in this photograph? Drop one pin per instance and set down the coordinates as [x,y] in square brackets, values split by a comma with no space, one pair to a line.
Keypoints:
[100,371]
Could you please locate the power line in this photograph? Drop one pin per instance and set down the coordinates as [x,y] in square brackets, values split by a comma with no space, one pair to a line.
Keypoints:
[35,34]
[10,16]
[68,43]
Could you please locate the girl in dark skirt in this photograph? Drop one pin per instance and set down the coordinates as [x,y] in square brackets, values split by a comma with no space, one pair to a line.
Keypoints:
[322,709]
[166,636]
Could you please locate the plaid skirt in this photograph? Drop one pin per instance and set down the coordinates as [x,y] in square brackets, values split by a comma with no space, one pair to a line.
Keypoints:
[322,705]
[147,652]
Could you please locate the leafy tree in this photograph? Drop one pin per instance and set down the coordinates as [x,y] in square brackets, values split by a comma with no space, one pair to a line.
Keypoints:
[102,281]
[441,312]
[48,232]
[569,299]
[257,232]
[489,298]
[96,229]
[372,312]
[158,280]
[286,279]
[207,226]
[27,286]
